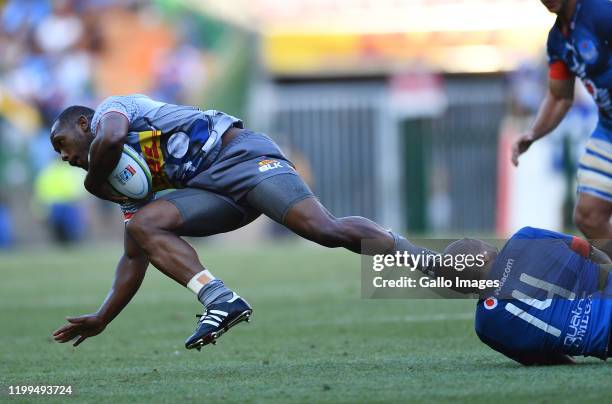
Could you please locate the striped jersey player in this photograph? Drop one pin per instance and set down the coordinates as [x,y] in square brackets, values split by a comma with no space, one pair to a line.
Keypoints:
[580,45]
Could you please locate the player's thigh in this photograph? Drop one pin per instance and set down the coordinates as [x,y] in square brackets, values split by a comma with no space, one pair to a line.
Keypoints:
[286,199]
[594,175]
[592,208]
[201,213]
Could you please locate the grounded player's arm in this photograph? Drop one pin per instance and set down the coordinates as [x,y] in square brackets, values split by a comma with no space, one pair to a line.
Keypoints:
[105,152]
[130,272]
[559,99]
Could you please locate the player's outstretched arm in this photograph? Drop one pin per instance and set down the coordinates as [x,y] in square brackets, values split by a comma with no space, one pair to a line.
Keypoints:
[558,101]
[128,278]
[105,152]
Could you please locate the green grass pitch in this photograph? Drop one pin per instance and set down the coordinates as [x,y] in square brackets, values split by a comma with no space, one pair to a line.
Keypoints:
[312,339]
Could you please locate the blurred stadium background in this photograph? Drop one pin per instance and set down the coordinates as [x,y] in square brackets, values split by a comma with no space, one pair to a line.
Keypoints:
[398,110]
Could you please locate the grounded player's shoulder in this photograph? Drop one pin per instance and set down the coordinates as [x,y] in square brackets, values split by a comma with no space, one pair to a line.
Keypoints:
[537,233]
[529,232]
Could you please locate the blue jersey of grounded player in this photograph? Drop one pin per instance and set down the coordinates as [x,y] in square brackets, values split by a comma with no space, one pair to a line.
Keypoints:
[548,301]
[585,50]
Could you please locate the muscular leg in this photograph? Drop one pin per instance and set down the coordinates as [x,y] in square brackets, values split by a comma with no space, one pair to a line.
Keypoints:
[592,216]
[286,199]
[309,219]
[157,228]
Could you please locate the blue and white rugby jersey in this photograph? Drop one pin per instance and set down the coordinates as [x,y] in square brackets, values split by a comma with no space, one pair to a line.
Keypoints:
[548,300]
[585,51]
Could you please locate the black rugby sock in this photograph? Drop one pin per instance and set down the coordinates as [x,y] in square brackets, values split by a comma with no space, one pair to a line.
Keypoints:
[401,244]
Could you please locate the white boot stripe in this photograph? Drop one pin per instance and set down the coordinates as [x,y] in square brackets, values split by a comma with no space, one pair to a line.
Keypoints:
[219,319]
[211,322]
[219,312]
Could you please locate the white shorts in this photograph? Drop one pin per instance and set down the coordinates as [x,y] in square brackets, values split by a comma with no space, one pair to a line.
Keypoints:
[595,169]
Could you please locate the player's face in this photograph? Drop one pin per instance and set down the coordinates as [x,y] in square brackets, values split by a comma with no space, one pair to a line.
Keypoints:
[554,6]
[72,144]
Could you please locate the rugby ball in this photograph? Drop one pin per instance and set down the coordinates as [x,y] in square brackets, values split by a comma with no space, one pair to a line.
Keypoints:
[131,177]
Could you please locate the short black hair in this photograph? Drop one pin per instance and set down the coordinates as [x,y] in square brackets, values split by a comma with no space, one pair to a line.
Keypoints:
[71,114]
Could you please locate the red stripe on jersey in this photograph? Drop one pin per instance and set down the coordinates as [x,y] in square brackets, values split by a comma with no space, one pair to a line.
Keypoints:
[558,70]
[581,246]
[127,216]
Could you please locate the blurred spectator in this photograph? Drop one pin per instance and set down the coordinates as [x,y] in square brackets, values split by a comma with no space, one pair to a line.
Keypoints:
[57,53]
[6,226]
[59,190]
[527,88]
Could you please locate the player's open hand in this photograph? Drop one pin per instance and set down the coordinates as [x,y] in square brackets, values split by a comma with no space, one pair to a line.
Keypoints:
[79,329]
[521,145]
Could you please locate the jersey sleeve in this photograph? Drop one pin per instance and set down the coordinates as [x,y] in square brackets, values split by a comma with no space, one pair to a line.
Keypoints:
[557,68]
[577,244]
[580,246]
[124,105]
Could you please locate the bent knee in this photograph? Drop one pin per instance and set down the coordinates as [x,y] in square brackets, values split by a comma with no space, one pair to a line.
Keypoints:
[144,224]
[139,227]
[156,217]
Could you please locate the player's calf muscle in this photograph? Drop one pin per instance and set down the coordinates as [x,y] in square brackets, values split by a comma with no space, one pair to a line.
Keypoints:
[347,232]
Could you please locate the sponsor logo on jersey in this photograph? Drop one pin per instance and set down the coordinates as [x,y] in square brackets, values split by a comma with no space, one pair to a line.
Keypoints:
[588,50]
[578,323]
[124,176]
[504,277]
[150,143]
[602,96]
[490,303]
[267,165]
